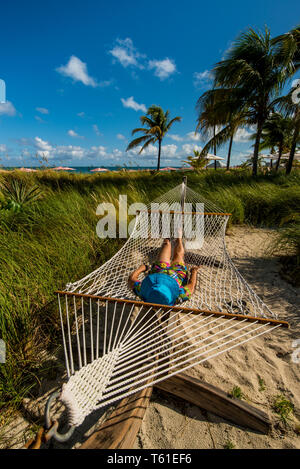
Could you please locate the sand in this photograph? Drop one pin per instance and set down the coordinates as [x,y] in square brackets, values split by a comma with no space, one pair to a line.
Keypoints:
[173,423]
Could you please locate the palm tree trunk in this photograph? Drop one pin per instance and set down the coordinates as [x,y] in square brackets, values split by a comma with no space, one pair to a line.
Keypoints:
[256,146]
[293,147]
[279,156]
[215,149]
[229,153]
[159,152]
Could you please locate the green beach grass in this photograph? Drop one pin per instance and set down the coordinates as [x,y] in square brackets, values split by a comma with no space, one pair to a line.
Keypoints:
[53,241]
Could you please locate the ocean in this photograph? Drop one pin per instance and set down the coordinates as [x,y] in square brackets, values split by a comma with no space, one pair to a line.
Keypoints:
[87,169]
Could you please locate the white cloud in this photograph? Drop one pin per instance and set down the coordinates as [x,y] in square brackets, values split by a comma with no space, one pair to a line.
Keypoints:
[74,134]
[152,151]
[69,152]
[242,136]
[188,148]
[96,130]
[149,151]
[42,110]
[175,137]
[162,68]
[7,109]
[96,152]
[24,141]
[105,83]
[81,114]
[77,70]
[121,137]
[42,144]
[117,153]
[192,136]
[169,150]
[43,148]
[130,103]
[60,153]
[3,148]
[202,78]
[39,119]
[126,53]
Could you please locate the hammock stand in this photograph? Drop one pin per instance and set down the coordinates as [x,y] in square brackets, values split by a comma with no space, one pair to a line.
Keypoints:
[117,348]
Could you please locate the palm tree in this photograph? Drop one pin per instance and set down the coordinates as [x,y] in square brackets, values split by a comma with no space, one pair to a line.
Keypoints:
[288,49]
[288,54]
[217,106]
[158,124]
[208,117]
[253,66]
[249,162]
[197,161]
[290,107]
[295,140]
[277,132]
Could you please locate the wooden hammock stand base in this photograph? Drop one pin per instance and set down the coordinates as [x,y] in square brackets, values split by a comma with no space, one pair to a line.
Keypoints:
[119,431]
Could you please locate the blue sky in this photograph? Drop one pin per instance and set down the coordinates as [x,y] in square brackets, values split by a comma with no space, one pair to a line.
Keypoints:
[79,74]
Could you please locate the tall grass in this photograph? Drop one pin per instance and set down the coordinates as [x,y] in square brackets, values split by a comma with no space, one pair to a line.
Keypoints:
[53,241]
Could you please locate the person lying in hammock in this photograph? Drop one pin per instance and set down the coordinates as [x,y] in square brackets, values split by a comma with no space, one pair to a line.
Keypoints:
[166,282]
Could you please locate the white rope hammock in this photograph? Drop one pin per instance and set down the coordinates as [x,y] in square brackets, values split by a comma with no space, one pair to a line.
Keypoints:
[116,345]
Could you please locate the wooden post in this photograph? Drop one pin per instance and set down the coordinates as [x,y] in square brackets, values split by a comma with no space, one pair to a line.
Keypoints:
[215,400]
[122,427]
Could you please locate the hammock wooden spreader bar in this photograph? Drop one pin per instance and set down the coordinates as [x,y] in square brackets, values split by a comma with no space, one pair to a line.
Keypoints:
[179,308]
[184,212]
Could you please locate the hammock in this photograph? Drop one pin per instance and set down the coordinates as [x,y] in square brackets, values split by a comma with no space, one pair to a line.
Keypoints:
[116,344]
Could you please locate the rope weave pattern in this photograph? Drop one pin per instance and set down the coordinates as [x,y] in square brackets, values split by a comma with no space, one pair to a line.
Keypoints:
[114,349]
[220,287]
[138,346]
[85,388]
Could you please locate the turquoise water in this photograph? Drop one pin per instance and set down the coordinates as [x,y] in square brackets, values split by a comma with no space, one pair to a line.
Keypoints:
[87,169]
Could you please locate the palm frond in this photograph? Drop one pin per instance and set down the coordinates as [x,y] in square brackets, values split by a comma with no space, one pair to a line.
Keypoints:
[18,193]
[139,129]
[171,122]
[137,141]
[151,140]
[155,131]
[147,121]
[218,140]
